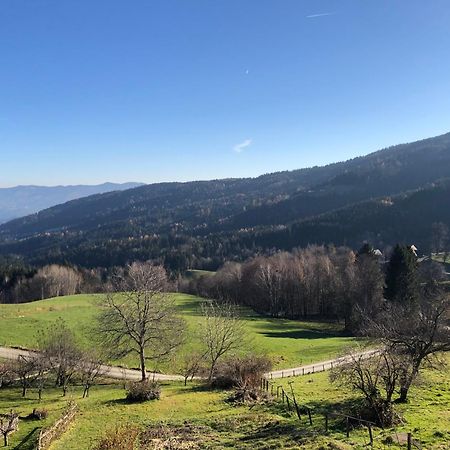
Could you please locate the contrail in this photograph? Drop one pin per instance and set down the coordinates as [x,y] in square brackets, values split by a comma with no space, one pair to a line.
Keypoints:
[314,16]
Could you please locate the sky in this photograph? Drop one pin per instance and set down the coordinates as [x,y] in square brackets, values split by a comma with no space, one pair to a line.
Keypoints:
[165,90]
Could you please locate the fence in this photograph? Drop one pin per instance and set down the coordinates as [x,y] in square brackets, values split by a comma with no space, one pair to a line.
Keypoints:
[292,405]
[48,435]
[315,368]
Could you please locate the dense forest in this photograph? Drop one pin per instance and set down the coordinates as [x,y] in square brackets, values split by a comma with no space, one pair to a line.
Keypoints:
[393,195]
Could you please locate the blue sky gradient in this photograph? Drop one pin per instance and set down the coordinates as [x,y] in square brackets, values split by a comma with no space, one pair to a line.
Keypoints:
[164,90]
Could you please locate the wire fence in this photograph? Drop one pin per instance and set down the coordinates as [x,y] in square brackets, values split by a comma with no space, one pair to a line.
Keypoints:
[306,414]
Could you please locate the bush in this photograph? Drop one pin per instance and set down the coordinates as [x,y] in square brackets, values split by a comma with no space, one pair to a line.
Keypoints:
[38,414]
[123,438]
[241,372]
[142,391]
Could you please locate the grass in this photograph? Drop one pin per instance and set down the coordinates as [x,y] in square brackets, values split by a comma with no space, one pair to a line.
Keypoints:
[223,425]
[289,343]
[426,415]
[105,409]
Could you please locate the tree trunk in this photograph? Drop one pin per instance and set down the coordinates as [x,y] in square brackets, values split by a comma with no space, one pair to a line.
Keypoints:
[211,371]
[403,394]
[5,439]
[142,358]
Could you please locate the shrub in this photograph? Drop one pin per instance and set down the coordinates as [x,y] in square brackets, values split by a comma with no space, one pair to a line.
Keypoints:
[123,438]
[142,391]
[38,414]
[241,372]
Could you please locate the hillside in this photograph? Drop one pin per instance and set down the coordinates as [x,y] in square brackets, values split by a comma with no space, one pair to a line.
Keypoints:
[405,218]
[20,201]
[288,342]
[201,224]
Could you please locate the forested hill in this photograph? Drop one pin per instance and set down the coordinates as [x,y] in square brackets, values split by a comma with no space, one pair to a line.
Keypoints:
[206,222]
[20,201]
[405,218]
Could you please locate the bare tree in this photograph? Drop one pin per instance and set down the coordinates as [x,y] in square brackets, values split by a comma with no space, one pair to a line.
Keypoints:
[376,377]
[9,425]
[191,365]
[439,237]
[222,332]
[24,369]
[139,316]
[416,336]
[91,369]
[6,373]
[42,366]
[60,349]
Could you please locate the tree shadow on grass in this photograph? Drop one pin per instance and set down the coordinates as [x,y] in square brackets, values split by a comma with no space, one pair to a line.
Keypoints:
[29,441]
[117,401]
[283,325]
[277,430]
[301,334]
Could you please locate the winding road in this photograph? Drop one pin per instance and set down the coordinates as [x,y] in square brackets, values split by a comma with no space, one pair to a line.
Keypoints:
[120,373]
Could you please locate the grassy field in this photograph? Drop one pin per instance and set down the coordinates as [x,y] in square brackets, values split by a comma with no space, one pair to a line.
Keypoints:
[214,423]
[289,343]
[426,415]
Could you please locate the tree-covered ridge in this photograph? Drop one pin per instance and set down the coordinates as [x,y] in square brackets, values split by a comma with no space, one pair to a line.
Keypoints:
[390,196]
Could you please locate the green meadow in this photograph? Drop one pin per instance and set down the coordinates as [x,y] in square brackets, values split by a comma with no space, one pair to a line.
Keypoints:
[214,423]
[289,343]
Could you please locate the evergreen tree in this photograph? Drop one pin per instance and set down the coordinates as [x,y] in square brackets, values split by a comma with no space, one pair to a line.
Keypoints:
[366,249]
[402,283]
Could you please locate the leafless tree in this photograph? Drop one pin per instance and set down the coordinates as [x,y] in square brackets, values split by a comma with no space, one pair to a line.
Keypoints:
[42,366]
[24,368]
[6,373]
[376,377]
[8,425]
[139,316]
[91,369]
[416,336]
[439,237]
[59,347]
[191,365]
[222,332]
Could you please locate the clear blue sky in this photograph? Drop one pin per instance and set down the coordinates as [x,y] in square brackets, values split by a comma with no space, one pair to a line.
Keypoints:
[152,90]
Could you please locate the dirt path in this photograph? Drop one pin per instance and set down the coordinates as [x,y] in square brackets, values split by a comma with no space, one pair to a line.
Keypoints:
[115,372]
[121,373]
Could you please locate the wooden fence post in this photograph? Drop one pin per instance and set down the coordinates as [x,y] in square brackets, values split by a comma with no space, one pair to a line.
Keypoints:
[347,426]
[303,371]
[309,415]
[409,441]
[370,434]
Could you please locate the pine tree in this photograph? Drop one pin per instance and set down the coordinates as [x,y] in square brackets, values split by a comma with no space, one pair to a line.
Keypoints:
[402,283]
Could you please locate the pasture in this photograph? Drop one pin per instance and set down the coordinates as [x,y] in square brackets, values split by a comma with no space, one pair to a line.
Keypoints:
[211,422]
[290,343]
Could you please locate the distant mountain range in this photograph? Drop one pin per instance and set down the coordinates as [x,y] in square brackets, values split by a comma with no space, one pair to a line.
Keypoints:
[21,201]
[393,195]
